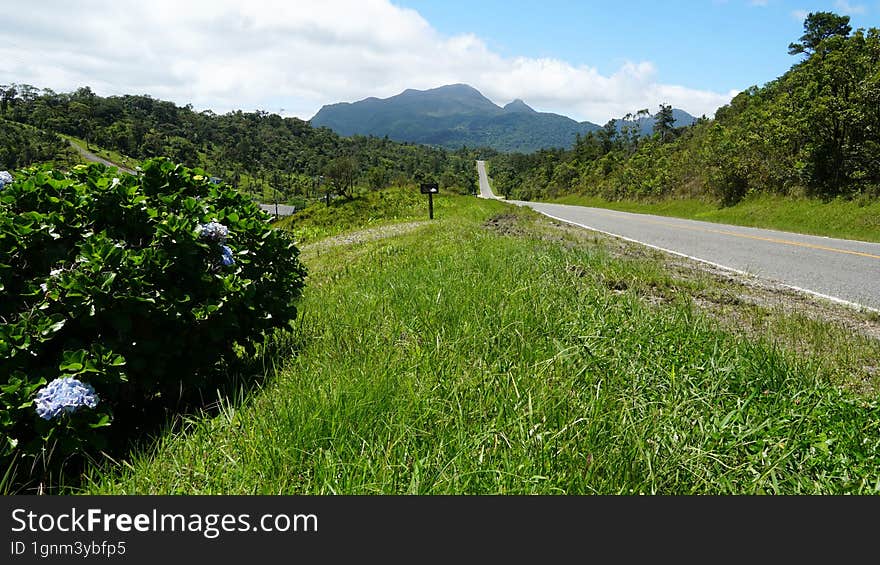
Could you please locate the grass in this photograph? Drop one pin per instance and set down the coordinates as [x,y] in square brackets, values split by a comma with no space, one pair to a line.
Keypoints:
[109,154]
[489,353]
[847,219]
[368,209]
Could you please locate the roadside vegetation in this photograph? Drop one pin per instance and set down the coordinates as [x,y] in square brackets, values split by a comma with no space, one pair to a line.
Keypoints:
[856,218]
[813,133]
[366,210]
[122,297]
[494,351]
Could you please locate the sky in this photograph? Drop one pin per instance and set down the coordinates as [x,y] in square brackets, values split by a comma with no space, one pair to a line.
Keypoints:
[589,60]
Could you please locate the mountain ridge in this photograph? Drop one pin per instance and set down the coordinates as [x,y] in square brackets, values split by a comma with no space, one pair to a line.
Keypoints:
[457,115]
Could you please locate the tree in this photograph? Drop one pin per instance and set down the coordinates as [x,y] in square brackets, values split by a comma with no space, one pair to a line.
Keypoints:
[378,177]
[608,135]
[341,173]
[819,26]
[664,122]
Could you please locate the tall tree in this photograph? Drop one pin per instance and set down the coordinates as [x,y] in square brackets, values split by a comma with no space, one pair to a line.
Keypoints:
[664,122]
[819,26]
[341,173]
[608,135]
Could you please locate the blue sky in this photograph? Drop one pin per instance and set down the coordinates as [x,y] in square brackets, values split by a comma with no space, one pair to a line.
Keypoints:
[588,60]
[715,45]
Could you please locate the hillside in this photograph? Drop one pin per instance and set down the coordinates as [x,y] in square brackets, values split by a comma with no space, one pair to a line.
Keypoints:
[22,145]
[814,131]
[459,115]
[262,153]
[453,116]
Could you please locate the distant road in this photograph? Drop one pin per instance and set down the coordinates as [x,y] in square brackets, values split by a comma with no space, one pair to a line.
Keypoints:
[89,156]
[283,209]
[837,269]
[485,191]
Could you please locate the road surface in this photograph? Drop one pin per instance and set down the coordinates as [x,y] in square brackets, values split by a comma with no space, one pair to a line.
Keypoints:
[841,270]
[89,156]
[485,190]
[283,209]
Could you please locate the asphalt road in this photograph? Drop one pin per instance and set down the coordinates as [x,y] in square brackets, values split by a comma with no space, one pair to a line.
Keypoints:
[283,209]
[838,269]
[89,156]
[485,190]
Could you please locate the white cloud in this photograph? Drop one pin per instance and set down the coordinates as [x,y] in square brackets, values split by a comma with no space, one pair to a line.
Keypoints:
[800,15]
[273,54]
[848,9]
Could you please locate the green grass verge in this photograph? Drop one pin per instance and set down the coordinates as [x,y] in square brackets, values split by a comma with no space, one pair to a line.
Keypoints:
[848,219]
[462,359]
[368,209]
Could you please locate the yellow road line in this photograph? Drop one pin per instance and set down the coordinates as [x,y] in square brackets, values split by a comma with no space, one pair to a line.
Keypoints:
[745,236]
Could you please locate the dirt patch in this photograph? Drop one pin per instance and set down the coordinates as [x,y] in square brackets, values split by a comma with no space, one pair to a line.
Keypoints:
[506,224]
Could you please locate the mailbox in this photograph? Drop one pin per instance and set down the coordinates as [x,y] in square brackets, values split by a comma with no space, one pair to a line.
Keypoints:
[430,188]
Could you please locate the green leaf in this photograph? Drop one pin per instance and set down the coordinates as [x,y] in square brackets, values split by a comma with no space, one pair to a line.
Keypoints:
[56,326]
[73,361]
[102,422]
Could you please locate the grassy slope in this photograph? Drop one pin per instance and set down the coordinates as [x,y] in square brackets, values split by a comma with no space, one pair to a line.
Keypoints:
[109,154]
[370,209]
[848,219]
[461,359]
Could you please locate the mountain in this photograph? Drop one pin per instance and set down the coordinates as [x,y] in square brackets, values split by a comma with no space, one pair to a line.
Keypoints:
[457,114]
[519,106]
[452,116]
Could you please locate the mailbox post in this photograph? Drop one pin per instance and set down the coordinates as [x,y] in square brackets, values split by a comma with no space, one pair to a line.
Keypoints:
[430,188]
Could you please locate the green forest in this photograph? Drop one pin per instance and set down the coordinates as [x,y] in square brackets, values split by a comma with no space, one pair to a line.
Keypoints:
[815,132]
[265,154]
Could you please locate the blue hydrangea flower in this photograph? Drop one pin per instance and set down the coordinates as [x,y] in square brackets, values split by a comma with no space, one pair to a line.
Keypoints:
[5,178]
[64,395]
[212,231]
[227,257]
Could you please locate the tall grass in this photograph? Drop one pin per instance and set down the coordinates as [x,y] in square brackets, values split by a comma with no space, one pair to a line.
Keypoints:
[460,359]
[857,219]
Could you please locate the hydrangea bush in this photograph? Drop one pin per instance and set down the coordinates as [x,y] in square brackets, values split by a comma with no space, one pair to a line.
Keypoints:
[118,294]
[64,395]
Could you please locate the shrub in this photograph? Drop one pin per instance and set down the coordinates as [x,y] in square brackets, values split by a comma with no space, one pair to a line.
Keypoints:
[129,290]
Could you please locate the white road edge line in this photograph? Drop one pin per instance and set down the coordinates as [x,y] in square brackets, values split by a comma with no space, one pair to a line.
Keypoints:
[855,305]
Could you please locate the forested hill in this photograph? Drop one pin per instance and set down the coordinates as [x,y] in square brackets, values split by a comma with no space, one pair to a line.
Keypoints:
[458,115]
[240,147]
[21,145]
[815,131]
[453,116]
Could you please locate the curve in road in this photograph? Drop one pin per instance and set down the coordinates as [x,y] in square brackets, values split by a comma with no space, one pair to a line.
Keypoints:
[840,270]
[89,156]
